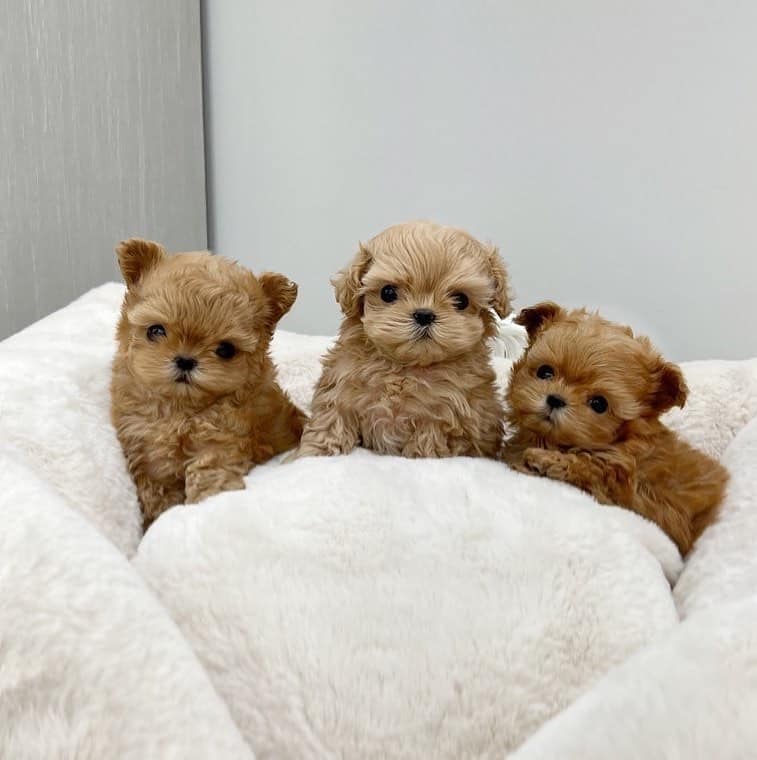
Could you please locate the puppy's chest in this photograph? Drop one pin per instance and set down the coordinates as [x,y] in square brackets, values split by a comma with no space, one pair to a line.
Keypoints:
[391,395]
[165,439]
[390,409]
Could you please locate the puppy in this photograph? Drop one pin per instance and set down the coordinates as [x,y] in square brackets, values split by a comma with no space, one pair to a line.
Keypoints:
[410,371]
[585,401]
[194,397]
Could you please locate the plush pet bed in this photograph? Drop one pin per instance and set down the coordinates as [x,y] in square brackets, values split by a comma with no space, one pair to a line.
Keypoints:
[360,606]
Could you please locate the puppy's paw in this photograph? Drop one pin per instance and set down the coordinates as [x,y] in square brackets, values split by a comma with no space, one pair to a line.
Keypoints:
[302,451]
[519,465]
[543,462]
[305,450]
[321,448]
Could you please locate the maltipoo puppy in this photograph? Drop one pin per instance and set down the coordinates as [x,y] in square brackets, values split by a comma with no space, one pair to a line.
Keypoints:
[585,401]
[410,371]
[194,397]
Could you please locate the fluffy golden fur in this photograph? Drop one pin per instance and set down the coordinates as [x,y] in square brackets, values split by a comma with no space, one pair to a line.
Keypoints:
[410,372]
[194,397]
[585,401]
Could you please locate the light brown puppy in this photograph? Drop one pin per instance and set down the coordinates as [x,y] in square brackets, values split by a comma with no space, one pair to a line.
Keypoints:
[194,397]
[410,371]
[585,401]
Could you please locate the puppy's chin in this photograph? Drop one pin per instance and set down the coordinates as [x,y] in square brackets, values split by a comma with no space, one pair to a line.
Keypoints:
[412,346]
[553,430]
[420,352]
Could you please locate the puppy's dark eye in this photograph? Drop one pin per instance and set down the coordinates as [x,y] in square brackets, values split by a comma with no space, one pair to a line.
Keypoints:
[388,293]
[460,300]
[598,404]
[225,350]
[545,372]
[156,331]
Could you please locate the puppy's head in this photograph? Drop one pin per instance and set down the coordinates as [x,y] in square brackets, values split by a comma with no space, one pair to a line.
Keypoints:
[194,324]
[583,380]
[423,292]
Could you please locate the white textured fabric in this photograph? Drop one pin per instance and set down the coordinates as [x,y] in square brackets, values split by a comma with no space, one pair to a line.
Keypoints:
[689,696]
[91,666]
[723,565]
[54,401]
[381,607]
[361,606]
[722,399]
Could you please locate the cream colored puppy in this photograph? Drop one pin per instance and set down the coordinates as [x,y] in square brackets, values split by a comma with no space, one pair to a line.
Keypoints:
[410,373]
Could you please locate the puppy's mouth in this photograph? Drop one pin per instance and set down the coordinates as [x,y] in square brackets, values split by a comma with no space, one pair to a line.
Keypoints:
[183,378]
[423,333]
[542,420]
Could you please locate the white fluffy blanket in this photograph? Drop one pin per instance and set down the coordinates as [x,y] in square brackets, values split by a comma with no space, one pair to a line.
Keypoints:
[361,606]
[91,666]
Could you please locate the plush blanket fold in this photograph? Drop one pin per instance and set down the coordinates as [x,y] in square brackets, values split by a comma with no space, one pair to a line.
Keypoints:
[91,666]
[377,607]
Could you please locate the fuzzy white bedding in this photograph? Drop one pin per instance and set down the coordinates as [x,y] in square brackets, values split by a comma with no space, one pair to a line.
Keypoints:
[360,606]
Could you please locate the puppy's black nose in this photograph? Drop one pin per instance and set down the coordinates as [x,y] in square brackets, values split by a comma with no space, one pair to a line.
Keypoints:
[555,402]
[424,317]
[185,363]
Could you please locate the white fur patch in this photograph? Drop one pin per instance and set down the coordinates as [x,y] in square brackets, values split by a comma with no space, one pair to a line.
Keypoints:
[511,340]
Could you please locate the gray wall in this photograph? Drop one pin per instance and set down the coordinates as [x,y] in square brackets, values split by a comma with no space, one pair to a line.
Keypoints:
[101,137]
[609,148]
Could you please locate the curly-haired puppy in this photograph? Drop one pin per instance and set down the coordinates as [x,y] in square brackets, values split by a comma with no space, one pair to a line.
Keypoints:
[194,397]
[585,401]
[410,371]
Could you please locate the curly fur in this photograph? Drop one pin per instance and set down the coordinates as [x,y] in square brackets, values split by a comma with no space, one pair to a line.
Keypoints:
[623,455]
[189,434]
[394,386]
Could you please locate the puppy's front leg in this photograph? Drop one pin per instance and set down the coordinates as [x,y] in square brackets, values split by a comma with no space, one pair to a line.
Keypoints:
[513,455]
[607,477]
[328,434]
[155,497]
[429,441]
[214,471]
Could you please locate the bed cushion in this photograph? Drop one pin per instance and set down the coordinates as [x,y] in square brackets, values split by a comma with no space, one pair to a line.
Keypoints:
[54,386]
[723,564]
[690,695]
[372,606]
[91,666]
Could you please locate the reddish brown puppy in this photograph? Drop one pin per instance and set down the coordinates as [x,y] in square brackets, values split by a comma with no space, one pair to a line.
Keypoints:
[585,401]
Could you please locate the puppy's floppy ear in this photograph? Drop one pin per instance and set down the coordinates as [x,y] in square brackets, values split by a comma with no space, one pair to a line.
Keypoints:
[497,271]
[669,388]
[280,293]
[136,257]
[536,318]
[347,282]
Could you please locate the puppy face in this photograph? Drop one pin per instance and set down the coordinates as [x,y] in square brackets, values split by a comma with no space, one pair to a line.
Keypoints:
[195,324]
[423,292]
[583,379]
